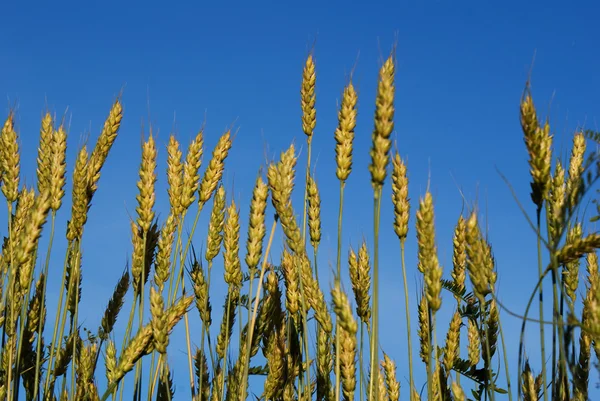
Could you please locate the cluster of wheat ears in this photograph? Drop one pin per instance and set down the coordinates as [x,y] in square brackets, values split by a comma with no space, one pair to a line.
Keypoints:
[277,305]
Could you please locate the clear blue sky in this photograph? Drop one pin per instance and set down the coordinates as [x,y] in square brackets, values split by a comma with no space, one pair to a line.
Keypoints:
[461,71]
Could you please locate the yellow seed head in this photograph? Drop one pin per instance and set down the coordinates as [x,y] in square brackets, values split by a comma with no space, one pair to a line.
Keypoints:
[424,331]
[256,229]
[158,322]
[214,171]
[451,350]
[360,276]
[391,383]
[165,248]
[344,133]
[539,142]
[307,97]
[384,124]
[174,175]
[576,170]
[348,364]
[341,307]
[146,196]
[314,212]
[474,347]
[459,254]
[231,241]
[58,167]
[216,224]
[45,153]
[556,200]
[104,144]
[428,261]
[191,175]
[400,197]
[80,198]
[9,160]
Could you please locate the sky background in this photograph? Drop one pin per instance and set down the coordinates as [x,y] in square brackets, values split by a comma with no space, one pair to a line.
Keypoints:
[461,70]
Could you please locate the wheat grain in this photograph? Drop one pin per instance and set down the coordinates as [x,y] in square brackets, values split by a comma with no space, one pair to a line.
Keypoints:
[384,124]
[215,168]
[216,224]
[147,196]
[10,159]
[256,224]
[175,176]
[191,175]
[307,97]
[314,212]
[392,384]
[45,153]
[344,133]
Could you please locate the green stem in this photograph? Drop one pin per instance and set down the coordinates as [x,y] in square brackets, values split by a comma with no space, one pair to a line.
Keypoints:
[505,355]
[541,304]
[252,322]
[185,251]
[74,320]
[428,364]
[309,141]
[38,358]
[338,279]
[127,336]
[488,356]
[229,293]
[361,362]
[373,386]
[57,319]
[407,312]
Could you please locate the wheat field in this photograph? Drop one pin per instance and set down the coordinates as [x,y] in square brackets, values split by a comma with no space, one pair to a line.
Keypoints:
[281,332]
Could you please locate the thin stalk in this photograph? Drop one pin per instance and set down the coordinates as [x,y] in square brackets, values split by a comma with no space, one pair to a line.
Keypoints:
[361,362]
[505,355]
[434,348]
[315,252]
[183,256]
[309,141]
[557,319]
[306,352]
[373,387]
[205,329]
[21,332]
[255,309]
[74,320]
[523,324]
[338,279]
[38,358]
[4,304]
[152,377]
[57,319]
[156,373]
[178,245]
[407,312]
[229,293]
[488,357]
[541,302]
[428,365]
[189,350]
[127,336]
[138,367]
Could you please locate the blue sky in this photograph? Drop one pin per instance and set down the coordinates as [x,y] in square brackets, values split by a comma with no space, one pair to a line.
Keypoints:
[461,70]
